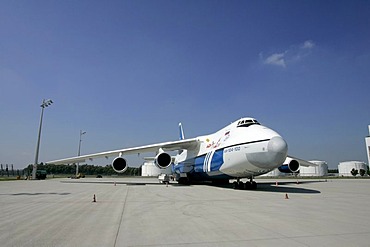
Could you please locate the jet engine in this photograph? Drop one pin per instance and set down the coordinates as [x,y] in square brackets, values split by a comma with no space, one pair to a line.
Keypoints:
[163,160]
[290,165]
[119,165]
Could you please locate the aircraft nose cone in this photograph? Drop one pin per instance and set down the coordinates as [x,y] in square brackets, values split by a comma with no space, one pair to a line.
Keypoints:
[278,145]
[276,153]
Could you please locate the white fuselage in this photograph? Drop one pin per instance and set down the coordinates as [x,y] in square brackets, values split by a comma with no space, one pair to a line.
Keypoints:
[242,149]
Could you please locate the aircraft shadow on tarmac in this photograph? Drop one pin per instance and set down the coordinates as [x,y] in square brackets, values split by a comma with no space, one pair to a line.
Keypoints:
[285,188]
[282,187]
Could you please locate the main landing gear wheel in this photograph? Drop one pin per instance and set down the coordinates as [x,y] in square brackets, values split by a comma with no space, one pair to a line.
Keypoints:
[241,185]
[249,185]
[238,185]
[254,185]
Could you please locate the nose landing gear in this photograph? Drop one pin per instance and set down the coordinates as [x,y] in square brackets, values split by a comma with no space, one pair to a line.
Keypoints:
[249,185]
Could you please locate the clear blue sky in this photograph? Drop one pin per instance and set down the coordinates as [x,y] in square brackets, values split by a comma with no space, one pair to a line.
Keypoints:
[128,71]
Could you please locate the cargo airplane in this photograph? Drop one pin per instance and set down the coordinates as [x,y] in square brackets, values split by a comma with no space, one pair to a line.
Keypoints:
[243,149]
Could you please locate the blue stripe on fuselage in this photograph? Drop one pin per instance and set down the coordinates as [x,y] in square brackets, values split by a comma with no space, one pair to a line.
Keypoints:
[201,165]
[217,160]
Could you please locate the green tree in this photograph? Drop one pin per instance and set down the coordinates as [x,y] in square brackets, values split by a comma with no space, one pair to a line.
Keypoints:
[83,168]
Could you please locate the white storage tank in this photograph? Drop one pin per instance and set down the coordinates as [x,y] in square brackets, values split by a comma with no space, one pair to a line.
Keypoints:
[318,171]
[345,168]
[367,140]
[274,173]
[148,169]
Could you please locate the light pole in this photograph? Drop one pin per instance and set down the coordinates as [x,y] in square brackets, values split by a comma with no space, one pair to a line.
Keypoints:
[79,149]
[45,103]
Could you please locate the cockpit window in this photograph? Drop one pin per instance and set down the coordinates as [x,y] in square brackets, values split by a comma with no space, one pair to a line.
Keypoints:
[247,122]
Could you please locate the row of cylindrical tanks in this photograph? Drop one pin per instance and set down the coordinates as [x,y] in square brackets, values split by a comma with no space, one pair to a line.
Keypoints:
[344,169]
[318,171]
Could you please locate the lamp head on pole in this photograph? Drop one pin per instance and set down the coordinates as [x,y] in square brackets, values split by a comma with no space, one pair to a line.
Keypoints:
[46,103]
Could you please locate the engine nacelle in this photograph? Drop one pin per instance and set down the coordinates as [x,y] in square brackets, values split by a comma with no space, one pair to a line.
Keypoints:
[119,165]
[163,160]
[289,166]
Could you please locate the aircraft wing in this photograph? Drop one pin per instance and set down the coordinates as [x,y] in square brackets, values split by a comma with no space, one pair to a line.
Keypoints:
[165,146]
[301,162]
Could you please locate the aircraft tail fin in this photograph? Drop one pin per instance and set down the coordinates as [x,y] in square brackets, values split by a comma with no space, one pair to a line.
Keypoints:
[182,136]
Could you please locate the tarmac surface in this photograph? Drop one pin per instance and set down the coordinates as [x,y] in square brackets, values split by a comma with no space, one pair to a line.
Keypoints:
[142,212]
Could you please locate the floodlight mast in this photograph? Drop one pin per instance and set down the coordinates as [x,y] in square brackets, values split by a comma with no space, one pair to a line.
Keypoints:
[79,149]
[45,103]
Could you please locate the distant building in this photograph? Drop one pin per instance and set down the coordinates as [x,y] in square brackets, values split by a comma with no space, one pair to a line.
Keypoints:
[274,173]
[345,168]
[318,171]
[149,169]
[367,140]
